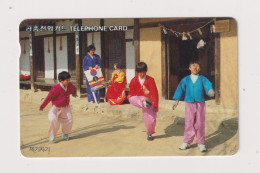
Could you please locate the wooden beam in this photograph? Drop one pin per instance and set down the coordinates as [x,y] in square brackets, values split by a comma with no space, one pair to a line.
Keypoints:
[217,68]
[54,55]
[176,22]
[83,47]
[128,40]
[137,40]
[222,25]
[31,42]
[167,49]
[164,65]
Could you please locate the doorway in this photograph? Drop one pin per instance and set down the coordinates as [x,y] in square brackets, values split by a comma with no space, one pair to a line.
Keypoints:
[39,57]
[71,55]
[181,52]
[114,52]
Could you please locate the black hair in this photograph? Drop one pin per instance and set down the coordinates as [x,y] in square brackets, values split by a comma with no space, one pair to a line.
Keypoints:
[63,76]
[91,47]
[194,61]
[118,65]
[141,67]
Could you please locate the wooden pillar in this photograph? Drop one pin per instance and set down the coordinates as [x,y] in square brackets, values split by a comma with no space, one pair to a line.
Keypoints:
[54,55]
[217,68]
[102,47]
[32,71]
[164,66]
[83,47]
[77,52]
[137,40]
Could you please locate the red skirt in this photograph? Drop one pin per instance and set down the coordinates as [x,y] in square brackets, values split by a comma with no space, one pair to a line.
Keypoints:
[116,93]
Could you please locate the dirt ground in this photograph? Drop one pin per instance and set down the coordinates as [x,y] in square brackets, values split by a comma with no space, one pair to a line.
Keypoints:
[101,135]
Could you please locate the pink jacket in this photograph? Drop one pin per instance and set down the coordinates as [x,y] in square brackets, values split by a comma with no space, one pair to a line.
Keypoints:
[59,96]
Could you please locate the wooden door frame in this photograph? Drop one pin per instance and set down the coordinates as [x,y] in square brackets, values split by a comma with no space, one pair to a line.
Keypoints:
[166,68]
[165,65]
[217,68]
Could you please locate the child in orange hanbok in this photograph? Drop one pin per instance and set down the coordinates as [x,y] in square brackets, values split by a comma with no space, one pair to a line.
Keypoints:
[116,90]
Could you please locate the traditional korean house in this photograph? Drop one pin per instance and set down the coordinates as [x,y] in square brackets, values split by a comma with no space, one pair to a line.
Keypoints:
[165,44]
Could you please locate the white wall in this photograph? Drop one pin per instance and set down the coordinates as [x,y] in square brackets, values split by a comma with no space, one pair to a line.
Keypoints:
[49,58]
[25,58]
[62,55]
[97,41]
[130,56]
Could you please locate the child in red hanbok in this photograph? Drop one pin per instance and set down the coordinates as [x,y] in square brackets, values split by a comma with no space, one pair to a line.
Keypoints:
[116,91]
[60,113]
[144,94]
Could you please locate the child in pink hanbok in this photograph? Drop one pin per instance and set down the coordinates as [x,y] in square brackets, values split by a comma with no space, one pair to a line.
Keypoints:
[144,94]
[60,113]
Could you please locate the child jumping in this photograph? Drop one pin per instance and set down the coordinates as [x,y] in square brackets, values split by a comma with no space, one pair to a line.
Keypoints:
[144,94]
[192,88]
[60,113]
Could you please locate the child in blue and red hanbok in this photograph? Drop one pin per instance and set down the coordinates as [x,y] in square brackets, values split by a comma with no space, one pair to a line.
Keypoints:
[192,88]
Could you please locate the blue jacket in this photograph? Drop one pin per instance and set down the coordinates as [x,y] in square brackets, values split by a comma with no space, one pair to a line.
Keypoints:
[89,62]
[192,92]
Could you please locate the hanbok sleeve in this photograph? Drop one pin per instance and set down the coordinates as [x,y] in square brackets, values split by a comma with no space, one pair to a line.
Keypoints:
[52,94]
[180,91]
[120,77]
[154,96]
[132,88]
[207,85]
[73,89]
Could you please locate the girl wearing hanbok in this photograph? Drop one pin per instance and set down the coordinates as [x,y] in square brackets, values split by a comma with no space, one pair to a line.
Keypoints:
[116,90]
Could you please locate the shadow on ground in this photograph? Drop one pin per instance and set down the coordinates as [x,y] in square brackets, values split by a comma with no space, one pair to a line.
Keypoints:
[175,129]
[226,130]
[80,133]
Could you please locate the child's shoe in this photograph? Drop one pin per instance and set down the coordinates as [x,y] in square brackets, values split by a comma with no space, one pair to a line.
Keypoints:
[149,137]
[65,136]
[148,102]
[184,146]
[202,147]
[52,137]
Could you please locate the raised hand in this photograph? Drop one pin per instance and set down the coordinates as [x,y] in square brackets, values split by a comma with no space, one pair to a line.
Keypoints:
[175,104]
[74,95]
[211,93]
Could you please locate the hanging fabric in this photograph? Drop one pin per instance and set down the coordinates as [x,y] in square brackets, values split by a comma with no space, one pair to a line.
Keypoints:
[60,42]
[93,39]
[48,46]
